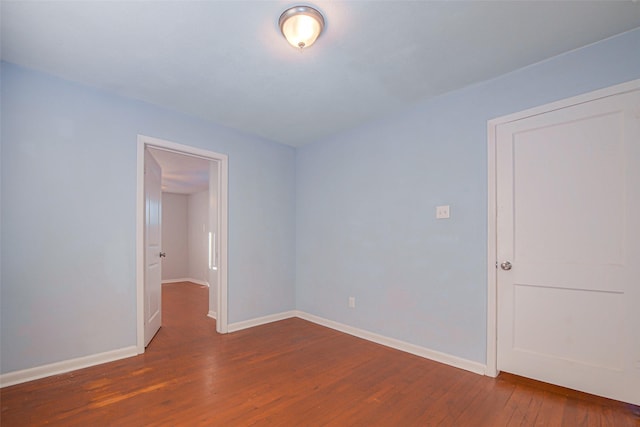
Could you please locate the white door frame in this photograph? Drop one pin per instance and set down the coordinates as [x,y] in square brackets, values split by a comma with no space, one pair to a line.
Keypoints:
[223,168]
[492,261]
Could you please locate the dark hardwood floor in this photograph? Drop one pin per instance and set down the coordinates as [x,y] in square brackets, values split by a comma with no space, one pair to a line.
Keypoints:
[289,373]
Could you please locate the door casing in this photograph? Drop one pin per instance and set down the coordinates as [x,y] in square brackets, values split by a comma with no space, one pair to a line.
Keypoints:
[222,220]
[492,260]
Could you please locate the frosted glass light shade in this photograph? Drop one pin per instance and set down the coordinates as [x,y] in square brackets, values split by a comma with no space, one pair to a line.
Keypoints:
[301,25]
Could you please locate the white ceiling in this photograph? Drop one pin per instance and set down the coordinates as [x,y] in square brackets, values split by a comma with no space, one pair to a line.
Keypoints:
[227,62]
[182,174]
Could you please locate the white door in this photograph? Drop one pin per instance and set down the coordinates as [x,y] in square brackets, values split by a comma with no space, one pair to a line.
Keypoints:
[568,222]
[152,248]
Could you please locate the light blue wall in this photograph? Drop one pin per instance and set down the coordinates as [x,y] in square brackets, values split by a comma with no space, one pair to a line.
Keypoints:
[355,212]
[366,202]
[68,217]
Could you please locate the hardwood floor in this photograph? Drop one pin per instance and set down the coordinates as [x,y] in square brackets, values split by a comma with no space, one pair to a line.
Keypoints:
[289,373]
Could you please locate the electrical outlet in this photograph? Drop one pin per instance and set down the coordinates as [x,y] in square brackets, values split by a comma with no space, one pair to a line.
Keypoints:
[442,212]
[352,302]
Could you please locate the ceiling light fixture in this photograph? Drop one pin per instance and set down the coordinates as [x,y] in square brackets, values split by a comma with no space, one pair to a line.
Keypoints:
[301,25]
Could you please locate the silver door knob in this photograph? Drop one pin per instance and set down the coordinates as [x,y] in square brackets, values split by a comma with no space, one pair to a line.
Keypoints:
[506,265]
[163,254]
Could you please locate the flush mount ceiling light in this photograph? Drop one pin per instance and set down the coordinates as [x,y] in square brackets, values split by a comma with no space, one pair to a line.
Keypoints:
[301,25]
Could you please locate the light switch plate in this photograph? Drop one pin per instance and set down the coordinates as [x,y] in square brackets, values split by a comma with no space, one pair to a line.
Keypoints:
[442,212]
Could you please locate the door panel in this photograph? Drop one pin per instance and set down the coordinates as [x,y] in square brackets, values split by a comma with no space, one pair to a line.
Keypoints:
[152,242]
[570,327]
[573,179]
[568,206]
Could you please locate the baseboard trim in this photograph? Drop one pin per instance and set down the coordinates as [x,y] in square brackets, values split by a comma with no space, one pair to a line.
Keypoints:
[212,314]
[447,359]
[18,377]
[186,279]
[237,326]
[22,376]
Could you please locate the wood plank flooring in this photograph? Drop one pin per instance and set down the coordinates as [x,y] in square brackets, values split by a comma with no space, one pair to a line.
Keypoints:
[289,373]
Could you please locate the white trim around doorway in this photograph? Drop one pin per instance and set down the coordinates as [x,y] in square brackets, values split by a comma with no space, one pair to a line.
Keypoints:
[223,179]
[492,260]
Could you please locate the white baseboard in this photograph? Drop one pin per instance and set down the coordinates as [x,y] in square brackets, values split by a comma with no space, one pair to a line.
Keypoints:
[237,326]
[186,279]
[212,314]
[17,377]
[437,356]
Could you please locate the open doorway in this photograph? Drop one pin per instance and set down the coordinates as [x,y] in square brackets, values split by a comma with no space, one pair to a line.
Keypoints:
[191,178]
[185,217]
